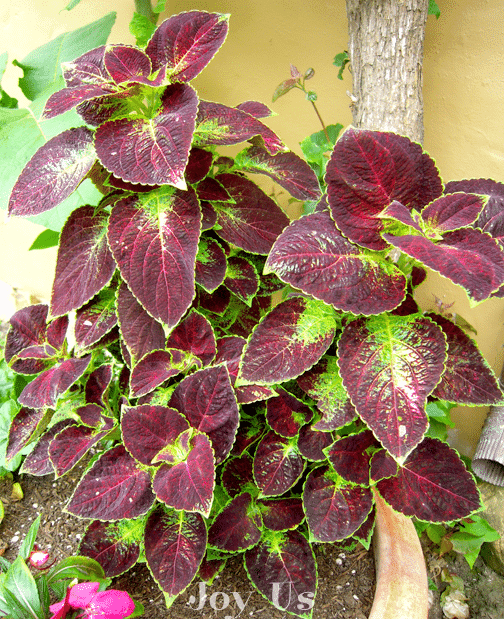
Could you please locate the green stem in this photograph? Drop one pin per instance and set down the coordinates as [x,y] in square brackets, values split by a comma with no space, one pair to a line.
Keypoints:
[144,7]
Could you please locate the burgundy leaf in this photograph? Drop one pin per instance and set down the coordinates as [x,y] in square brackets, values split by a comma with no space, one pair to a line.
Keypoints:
[85,264]
[221,125]
[95,320]
[37,462]
[209,216]
[217,303]
[68,98]
[334,510]
[91,414]
[277,465]
[156,367]
[286,414]
[253,393]
[281,514]
[86,69]
[383,466]
[186,43]
[323,383]
[211,264]
[365,532]
[115,487]
[237,474]
[56,332]
[207,401]
[147,430]
[27,329]
[73,443]
[194,336]
[254,221]
[175,544]
[288,341]
[126,63]
[45,389]
[140,332]
[450,212]
[389,365]
[101,109]
[151,151]
[284,572]
[38,352]
[467,379]
[349,456]
[154,239]
[238,526]
[313,256]
[53,173]
[198,165]
[209,569]
[188,485]
[97,384]
[229,351]
[367,171]
[241,278]
[468,257]
[248,433]
[287,169]
[21,430]
[399,212]
[112,544]
[241,319]
[311,443]
[210,190]
[255,109]
[432,485]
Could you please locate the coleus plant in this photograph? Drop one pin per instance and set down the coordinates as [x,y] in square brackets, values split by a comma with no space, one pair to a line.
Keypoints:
[219,422]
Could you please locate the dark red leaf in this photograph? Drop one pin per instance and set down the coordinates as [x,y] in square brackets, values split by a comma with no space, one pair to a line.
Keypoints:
[286,414]
[126,63]
[221,125]
[450,212]
[241,278]
[433,485]
[45,389]
[151,151]
[175,544]
[85,264]
[334,509]
[186,43]
[467,379]
[154,239]
[27,329]
[211,264]
[86,69]
[238,526]
[156,367]
[237,474]
[95,319]
[314,257]
[254,221]
[277,464]
[68,98]
[284,572]
[255,108]
[53,173]
[349,456]
[194,336]
[209,190]
[311,443]
[97,384]
[198,165]
[21,430]
[37,462]
[115,487]
[288,341]
[112,544]
[281,514]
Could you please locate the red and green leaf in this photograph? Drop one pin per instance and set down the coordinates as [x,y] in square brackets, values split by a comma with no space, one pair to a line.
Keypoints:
[156,367]
[95,319]
[286,414]
[277,465]
[238,526]
[211,264]
[241,278]
[195,337]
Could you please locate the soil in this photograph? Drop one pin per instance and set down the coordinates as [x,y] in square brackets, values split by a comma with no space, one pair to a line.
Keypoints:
[346,579]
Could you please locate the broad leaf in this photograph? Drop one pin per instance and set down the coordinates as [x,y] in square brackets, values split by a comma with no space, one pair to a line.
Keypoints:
[334,508]
[115,545]
[37,462]
[286,414]
[95,319]
[115,487]
[46,388]
[211,264]
[141,333]
[323,383]
[389,365]
[151,151]
[68,98]
[127,63]
[154,239]
[367,171]
[206,398]
[467,379]
[85,264]
[186,43]
[156,367]
[470,258]
[241,278]
[188,485]
[313,256]
[288,341]
[175,544]
[28,329]
[194,336]
[432,484]
[199,165]
[221,125]
[283,568]
[147,430]
[53,173]
[349,457]
[237,474]
[277,464]
[23,427]
[311,443]
[451,212]
[97,384]
[253,221]
[238,526]
[281,514]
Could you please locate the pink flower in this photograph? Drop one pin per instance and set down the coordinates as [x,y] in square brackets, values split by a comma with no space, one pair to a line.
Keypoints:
[38,559]
[96,604]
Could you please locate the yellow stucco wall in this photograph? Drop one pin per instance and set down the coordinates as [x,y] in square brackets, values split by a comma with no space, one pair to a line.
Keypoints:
[463,94]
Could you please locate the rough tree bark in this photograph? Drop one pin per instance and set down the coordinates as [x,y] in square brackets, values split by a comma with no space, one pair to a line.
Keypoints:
[386,53]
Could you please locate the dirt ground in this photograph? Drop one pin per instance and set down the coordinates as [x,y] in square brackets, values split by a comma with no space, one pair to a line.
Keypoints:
[346,580]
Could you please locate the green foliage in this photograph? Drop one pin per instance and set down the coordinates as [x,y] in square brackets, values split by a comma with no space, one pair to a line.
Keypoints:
[316,148]
[341,60]
[434,9]
[46,239]
[141,28]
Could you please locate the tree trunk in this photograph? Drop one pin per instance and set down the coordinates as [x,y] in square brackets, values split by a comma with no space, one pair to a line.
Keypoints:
[386,53]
